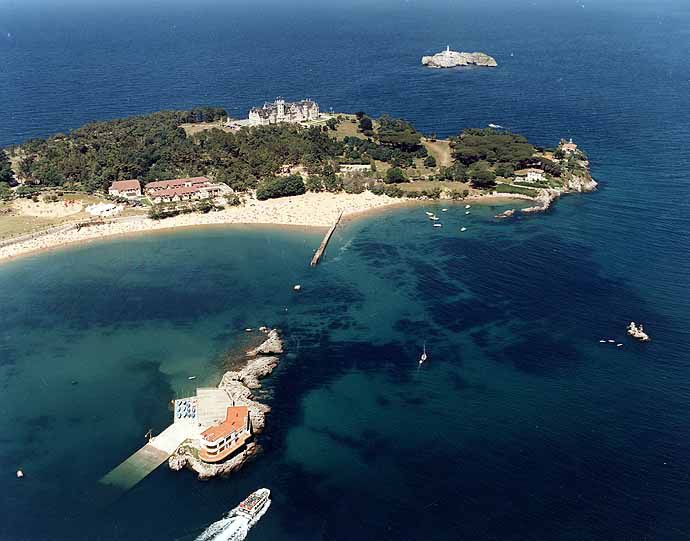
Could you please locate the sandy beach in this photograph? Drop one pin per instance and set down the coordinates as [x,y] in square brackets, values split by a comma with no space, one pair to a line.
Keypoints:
[310,210]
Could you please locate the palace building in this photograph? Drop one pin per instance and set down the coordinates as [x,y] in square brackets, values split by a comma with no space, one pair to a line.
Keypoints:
[282,111]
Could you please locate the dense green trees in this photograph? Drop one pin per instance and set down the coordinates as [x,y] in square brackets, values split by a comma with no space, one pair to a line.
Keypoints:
[492,146]
[505,170]
[6,174]
[456,172]
[481,176]
[314,183]
[155,147]
[395,175]
[398,133]
[366,125]
[331,181]
[5,192]
[280,187]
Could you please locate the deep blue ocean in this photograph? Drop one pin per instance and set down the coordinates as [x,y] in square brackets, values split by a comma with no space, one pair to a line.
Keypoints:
[521,426]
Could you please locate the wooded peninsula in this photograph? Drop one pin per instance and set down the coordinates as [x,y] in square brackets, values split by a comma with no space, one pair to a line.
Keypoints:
[172,144]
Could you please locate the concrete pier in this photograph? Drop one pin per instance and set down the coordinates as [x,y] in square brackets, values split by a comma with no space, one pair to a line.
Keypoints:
[150,456]
[324,242]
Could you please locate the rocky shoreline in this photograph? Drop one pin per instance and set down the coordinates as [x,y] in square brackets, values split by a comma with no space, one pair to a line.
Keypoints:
[239,384]
[573,184]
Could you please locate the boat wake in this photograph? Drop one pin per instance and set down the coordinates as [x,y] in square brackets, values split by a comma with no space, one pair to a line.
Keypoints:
[226,529]
[236,524]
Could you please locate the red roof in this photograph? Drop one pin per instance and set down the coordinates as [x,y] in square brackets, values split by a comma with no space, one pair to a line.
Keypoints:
[124,185]
[235,421]
[174,183]
[179,190]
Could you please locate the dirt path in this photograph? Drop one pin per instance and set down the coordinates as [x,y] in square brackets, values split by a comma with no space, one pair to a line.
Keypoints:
[440,149]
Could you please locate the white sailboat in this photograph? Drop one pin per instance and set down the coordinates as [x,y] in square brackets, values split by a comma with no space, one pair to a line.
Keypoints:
[423,357]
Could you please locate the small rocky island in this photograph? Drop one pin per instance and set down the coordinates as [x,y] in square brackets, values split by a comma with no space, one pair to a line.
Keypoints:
[237,385]
[451,59]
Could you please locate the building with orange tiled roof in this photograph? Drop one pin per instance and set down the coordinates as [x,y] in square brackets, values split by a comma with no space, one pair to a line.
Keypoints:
[219,441]
[181,189]
[125,188]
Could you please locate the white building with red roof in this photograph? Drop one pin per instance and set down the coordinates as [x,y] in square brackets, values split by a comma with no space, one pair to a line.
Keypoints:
[184,189]
[219,441]
[125,188]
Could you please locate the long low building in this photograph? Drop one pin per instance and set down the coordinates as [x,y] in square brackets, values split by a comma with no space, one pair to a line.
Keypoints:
[184,189]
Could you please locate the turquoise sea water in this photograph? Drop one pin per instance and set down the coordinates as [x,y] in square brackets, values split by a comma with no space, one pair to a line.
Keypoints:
[521,426]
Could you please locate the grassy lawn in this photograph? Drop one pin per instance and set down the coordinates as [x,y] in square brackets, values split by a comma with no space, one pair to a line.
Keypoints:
[347,128]
[14,225]
[507,188]
[191,129]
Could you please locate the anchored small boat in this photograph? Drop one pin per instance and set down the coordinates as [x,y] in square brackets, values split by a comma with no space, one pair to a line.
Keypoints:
[463,229]
[423,357]
[467,206]
[438,225]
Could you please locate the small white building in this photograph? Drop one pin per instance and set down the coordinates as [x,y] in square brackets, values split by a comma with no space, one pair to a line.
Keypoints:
[534,175]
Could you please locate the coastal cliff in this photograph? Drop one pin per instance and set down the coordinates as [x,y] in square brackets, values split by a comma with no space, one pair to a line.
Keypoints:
[577,182]
[451,59]
[239,385]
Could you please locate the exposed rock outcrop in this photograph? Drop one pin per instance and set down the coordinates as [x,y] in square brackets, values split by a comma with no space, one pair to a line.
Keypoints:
[239,385]
[451,59]
[272,345]
[505,214]
[572,182]
[187,456]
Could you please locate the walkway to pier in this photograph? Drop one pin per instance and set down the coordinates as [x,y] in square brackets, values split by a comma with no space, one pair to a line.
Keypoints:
[150,456]
[324,242]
